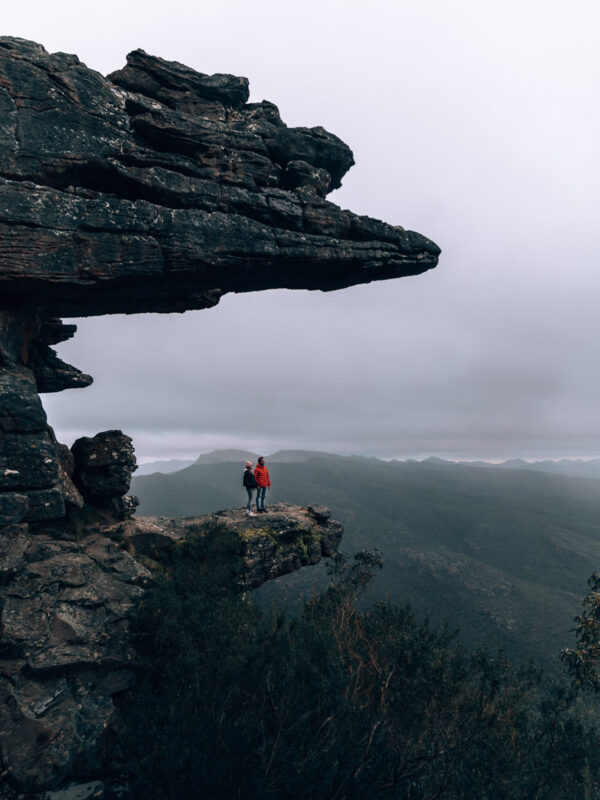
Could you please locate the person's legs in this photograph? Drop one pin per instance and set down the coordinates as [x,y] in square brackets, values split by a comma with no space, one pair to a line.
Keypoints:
[249,504]
[260,497]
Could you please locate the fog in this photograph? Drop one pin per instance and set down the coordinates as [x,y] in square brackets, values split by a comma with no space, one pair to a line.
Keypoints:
[476,124]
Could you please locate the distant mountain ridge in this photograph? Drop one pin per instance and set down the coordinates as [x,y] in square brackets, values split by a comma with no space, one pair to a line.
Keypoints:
[504,552]
[241,456]
[164,466]
[228,456]
[577,467]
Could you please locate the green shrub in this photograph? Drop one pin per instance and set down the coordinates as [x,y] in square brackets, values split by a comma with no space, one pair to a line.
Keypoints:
[340,703]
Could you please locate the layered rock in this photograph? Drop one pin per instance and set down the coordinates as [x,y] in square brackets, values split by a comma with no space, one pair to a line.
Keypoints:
[65,649]
[156,188]
[102,469]
[29,465]
[273,544]
[159,189]
[35,470]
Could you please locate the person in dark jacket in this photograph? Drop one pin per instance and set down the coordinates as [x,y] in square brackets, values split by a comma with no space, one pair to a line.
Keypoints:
[261,473]
[250,484]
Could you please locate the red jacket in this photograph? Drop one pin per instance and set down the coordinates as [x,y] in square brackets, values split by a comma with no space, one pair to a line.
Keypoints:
[262,475]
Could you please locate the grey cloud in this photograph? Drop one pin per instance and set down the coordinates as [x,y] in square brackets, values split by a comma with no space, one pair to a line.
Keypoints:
[475,124]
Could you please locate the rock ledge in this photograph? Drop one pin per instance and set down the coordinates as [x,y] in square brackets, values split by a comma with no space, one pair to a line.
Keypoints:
[65,648]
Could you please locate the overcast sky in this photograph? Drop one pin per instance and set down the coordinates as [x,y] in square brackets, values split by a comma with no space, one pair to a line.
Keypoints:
[474,122]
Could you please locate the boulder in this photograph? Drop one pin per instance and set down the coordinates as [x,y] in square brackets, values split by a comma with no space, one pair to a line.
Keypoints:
[103,466]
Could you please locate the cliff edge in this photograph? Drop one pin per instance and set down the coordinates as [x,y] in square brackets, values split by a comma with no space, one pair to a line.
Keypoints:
[156,188]
[66,653]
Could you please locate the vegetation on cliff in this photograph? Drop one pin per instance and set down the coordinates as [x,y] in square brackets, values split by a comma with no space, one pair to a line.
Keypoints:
[340,702]
[505,552]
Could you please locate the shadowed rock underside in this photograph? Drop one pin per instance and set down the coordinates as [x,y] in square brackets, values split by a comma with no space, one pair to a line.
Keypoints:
[158,188]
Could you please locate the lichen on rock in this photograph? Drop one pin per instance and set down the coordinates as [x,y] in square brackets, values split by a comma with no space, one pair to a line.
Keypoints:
[65,646]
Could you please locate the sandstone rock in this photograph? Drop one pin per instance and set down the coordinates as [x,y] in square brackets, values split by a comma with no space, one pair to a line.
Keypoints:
[26,461]
[178,86]
[20,407]
[65,646]
[32,485]
[302,175]
[13,543]
[13,508]
[66,466]
[45,504]
[93,790]
[274,544]
[65,649]
[320,513]
[157,188]
[103,466]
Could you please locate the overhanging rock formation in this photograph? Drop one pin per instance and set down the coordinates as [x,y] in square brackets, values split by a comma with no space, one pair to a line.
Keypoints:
[156,188]
[159,189]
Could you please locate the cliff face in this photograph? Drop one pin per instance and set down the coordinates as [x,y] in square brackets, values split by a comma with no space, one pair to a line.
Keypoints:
[156,188]
[65,592]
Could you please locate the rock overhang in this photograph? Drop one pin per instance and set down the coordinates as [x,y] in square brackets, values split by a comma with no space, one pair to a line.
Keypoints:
[158,188]
[155,188]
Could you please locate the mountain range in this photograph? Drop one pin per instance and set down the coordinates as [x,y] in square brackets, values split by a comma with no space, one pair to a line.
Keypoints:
[576,467]
[502,553]
[228,456]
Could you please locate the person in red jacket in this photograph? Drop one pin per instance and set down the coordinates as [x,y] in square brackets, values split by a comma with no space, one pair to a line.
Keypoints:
[261,473]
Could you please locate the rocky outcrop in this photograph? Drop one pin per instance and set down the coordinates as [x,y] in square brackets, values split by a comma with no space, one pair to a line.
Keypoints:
[272,544]
[35,470]
[102,469]
[29,464]
[65,649]
[156,188]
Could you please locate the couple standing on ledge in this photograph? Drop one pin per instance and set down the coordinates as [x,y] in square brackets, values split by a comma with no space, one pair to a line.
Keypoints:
[259,480]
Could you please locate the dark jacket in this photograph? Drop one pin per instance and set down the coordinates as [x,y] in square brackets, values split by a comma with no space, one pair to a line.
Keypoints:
[249,480]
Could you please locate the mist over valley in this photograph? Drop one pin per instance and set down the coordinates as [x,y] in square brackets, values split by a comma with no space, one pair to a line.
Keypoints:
[501,552]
